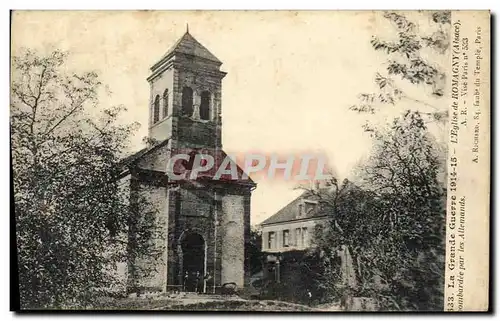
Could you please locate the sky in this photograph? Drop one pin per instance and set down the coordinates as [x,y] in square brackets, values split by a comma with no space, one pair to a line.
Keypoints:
[291,75]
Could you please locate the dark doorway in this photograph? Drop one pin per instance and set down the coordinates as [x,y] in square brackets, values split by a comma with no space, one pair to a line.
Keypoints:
[193,262]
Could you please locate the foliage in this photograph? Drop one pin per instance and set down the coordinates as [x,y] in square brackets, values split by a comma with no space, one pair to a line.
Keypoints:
[145,242]
[392,222]
[394,217]
[150,141]
[407,60]
[253,251]
[71,218]
[354,224]
[301,272]
[404,172]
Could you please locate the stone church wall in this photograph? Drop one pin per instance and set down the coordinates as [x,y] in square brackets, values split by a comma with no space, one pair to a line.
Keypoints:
[233,242]
[155,279]
[191,211]
[196,202]
[120,272]
[198,133]
[163,127]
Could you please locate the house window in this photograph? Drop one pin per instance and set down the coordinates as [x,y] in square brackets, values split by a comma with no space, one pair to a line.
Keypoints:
[205,105]
[286,238]
[271,240]
[156,109]
[305,237]
[187,101]
[298,237]
[301,210]
[165,103]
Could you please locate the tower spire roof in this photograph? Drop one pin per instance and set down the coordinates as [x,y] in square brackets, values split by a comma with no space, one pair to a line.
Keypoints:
[188,45]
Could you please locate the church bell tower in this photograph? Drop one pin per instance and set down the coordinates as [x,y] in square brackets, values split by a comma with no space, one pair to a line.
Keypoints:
[185,99]
[206,219]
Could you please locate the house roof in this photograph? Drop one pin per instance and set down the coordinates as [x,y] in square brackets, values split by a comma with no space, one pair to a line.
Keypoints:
[291,211]
[188,45]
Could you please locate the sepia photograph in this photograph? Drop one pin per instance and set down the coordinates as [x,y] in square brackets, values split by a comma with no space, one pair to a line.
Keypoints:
[255,161]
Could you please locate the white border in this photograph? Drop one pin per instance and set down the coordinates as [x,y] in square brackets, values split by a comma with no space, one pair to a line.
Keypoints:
[190,4]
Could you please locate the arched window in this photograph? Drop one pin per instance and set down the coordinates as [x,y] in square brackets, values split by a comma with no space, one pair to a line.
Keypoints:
[156,109]
[165,103]
[205,105]
[187,101]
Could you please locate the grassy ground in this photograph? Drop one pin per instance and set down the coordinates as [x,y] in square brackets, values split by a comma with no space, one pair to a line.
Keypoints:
[240,305]
[169,304]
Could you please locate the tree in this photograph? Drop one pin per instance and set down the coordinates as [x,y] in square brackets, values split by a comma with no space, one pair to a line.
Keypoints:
[389,225]
[404,172]
[353,226]
[390,220]
[253,250]
[71,218]
[414,59]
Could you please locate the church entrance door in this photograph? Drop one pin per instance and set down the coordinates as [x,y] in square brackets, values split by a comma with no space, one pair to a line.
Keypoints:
[193,262]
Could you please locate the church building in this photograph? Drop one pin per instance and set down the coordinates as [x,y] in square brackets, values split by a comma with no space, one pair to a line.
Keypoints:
[206,222]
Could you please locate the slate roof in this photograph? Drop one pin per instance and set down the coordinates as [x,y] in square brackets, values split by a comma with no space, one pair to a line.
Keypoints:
[188,45]
[291,211]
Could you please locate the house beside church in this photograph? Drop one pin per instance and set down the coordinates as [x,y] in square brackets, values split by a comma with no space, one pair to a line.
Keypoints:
[292,230]
[206,222]
[293,227]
